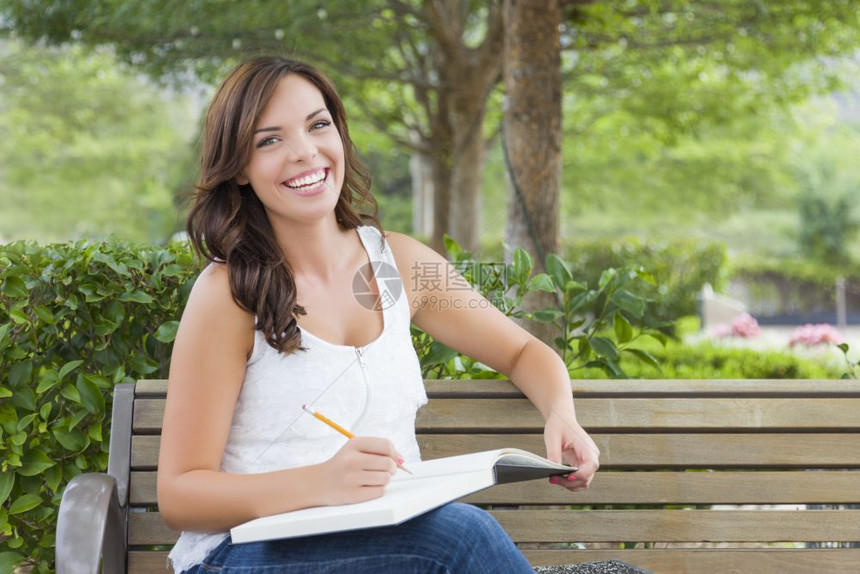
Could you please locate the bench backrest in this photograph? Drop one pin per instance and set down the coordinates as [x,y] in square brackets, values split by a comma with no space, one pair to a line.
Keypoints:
[703,448]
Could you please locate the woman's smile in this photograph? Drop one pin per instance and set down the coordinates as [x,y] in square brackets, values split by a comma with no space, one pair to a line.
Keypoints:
[308,183]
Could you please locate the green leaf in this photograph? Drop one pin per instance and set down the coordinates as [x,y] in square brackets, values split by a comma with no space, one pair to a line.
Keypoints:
[4,330]
[7,481]
[541,282]
[661,337]
[645,357]
[91,395]
[5,393]
[547,315]
[71,393]
[95,432]
[623,329]
[14,287]
[73,440]
[606,278]
[99,381]
[585,349]
[166,332]
[438,353]
[19,317]
[629,302]
[451,246]
[605,348]
[91,293]
[24,422]
[69,367]
[523,264]
[44,314]
[19,373]
[34,462]
[9,561]
[24,503]
[47,380]
[24,398]
[53,476]
[136,297]
[141,365]
[558,271]
[581,300]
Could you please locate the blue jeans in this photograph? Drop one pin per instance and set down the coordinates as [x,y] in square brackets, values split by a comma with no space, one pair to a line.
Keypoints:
[454,539]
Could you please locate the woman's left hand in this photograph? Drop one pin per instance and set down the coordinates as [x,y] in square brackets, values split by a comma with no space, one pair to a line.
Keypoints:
[569,443]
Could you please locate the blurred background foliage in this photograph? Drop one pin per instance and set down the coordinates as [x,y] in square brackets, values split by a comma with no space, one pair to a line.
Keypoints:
[737,126]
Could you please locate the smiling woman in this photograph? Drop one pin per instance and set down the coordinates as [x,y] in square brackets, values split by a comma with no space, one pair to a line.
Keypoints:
[286,221]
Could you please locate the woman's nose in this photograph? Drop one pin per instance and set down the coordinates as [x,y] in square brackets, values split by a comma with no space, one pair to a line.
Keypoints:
[302,149]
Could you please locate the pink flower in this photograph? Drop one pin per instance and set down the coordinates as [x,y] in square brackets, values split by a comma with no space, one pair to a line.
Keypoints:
[744,326]
[814,335]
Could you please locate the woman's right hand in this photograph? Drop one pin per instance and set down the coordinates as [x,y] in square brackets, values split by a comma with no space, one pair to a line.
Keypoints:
[359,471]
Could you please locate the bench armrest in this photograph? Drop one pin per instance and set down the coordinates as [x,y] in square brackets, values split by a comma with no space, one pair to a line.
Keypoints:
[91,526]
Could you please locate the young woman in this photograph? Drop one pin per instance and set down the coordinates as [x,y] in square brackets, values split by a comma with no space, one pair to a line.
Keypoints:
[285,218]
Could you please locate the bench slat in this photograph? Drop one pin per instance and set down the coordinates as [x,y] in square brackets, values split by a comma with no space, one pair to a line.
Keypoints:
[600,415]
[620,525]
[640,451]
[682,450]
[664,561]
[792,487]
[623,387]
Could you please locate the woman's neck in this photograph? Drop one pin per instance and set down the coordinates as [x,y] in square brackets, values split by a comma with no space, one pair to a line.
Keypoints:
[319,251]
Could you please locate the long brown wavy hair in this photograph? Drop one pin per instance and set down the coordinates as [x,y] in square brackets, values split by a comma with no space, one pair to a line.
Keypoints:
[228,223]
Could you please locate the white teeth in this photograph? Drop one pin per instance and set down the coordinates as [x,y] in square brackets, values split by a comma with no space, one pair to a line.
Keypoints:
[311,179]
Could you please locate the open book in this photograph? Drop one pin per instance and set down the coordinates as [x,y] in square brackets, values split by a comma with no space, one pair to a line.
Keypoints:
[431,484]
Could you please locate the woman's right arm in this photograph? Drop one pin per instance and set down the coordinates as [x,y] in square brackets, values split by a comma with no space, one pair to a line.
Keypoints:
[212,346]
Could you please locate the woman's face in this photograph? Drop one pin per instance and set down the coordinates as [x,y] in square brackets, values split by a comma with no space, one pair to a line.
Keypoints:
[296,166]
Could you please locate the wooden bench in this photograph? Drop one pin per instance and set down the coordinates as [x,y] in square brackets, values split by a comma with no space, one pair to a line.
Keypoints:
[690,445]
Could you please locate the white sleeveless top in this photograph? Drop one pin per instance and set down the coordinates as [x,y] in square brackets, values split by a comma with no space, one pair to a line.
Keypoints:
[374,390]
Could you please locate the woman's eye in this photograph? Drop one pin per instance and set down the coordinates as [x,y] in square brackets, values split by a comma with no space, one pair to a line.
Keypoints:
[266,141]
[320,124]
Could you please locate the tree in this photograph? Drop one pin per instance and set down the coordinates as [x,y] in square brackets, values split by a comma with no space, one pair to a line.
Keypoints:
[675,65]
[429,66]
[532,135]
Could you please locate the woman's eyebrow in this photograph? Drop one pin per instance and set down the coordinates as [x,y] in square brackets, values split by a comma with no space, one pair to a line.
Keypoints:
[276,128]
[312,114]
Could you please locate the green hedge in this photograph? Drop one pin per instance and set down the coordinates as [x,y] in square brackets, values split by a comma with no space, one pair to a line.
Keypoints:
[680,269]
[75,320]
[790,285]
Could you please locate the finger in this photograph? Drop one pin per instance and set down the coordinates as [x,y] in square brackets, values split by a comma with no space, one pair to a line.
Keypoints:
[375,478]
[376,445]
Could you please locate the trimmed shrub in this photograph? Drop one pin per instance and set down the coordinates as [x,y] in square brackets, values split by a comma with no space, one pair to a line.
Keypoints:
[75,319]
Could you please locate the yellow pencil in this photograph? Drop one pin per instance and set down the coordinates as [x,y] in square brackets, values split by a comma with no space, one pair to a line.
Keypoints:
[340,429]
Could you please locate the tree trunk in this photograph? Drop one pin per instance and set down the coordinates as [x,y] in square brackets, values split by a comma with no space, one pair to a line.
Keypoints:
[532,136]
[465,76]
[464,220]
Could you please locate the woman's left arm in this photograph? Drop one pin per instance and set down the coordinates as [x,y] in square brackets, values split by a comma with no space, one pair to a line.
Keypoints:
[444,306]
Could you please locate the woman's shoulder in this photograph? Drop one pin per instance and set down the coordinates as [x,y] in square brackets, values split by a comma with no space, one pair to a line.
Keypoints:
[212,294]
[408,248]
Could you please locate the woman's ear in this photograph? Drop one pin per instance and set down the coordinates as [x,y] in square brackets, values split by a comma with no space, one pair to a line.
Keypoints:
[241,179]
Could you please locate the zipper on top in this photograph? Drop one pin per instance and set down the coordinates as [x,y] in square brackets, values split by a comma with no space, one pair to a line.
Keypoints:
[362,365]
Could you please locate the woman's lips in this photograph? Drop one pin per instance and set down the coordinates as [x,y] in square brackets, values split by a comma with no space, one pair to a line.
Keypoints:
[309,183]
